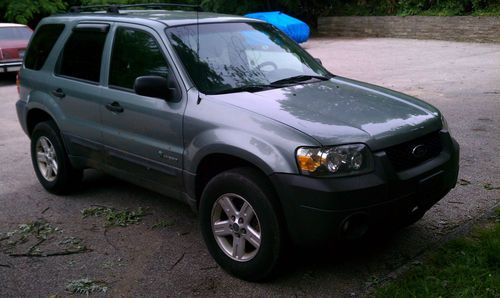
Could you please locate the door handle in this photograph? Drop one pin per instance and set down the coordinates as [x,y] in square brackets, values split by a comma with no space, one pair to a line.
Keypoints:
[58,93]
[114,107]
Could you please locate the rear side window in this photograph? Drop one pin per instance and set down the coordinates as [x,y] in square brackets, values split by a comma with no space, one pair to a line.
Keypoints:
[41,45]
[15,33]
[82,54]
[135,53]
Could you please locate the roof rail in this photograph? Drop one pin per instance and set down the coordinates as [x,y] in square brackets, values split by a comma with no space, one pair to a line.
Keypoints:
[115,8]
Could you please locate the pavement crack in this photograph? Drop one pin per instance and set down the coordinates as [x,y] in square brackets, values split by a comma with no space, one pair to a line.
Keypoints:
[177,262]
[107,239]
[52,254]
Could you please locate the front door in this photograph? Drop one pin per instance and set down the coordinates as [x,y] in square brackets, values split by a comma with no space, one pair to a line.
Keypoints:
[142,135]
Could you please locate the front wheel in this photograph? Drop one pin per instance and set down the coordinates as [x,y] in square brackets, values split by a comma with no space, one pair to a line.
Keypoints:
[240,224]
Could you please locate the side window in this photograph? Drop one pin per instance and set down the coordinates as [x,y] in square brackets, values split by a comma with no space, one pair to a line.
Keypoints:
[135,53]
[41,45]
[82,54]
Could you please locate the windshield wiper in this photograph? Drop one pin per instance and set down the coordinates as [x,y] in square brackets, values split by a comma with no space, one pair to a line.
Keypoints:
[276,84]
[298,79]
[246,88]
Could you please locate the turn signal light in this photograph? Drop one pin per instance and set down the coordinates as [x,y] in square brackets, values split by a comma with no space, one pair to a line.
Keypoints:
[307,160]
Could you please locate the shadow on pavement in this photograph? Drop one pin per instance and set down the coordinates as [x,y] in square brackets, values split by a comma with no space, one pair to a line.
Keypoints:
[7,79]
[332,258]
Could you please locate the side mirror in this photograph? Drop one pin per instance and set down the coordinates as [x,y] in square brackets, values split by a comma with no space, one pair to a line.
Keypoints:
[156,86]
[319,61]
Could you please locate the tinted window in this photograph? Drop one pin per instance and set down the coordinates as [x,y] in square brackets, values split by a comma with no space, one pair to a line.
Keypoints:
[41,45]
[135,53]
[81,57]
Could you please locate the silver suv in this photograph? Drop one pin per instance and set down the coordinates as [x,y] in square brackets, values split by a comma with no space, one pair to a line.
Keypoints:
[229,115]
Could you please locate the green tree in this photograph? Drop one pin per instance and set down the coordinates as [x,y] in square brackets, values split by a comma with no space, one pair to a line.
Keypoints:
[23,11]
[30,11]
[103,2]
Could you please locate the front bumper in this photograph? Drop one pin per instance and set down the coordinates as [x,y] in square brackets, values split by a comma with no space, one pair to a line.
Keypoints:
[11,66]
[316,209]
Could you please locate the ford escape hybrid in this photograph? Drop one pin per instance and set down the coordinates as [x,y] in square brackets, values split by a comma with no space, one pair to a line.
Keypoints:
[230,116]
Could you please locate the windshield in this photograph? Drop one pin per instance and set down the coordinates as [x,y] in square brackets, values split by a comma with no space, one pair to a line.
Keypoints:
[233,56]
[15,33]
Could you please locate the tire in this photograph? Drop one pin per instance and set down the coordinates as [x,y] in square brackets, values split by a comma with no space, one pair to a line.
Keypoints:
[244,187]
[50,160]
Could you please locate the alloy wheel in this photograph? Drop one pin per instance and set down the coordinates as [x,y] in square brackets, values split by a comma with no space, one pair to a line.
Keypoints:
[236,227]
[46,159]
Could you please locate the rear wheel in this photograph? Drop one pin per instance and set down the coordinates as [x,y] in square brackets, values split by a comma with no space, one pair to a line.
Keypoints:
[50,161]
[240,225]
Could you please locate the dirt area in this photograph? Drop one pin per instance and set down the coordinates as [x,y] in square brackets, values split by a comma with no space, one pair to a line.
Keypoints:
[163,253]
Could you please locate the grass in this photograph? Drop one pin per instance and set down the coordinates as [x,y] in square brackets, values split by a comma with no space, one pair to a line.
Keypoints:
[465,267]
[115,217]
[86,286]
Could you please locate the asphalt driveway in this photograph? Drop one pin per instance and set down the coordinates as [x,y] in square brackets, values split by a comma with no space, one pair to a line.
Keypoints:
[164,253]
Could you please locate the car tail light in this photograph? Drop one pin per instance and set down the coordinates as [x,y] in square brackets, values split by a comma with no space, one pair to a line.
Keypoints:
[9,54]
[18,82]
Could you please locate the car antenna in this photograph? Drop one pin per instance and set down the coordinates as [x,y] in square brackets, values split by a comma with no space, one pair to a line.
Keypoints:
[198,47]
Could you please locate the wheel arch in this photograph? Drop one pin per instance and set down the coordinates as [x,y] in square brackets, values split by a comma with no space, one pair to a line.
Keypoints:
[215,163]
[220,149]
[35,116]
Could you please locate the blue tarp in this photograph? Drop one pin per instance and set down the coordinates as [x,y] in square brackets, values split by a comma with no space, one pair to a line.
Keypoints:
[294,28]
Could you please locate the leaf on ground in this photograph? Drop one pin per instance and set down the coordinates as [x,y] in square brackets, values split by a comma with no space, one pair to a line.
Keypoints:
[115,217]
[163,224]
[72,244]
[40,239]
[463,182]
[489,186]
[86,286]
[35,231]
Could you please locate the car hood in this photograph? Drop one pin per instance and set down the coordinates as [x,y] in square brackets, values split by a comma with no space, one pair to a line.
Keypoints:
[343,111]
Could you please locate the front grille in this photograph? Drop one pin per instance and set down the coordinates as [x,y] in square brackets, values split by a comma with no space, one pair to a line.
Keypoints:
[412,153]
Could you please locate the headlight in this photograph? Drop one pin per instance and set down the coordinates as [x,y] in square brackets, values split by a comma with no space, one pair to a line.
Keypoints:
[338,160]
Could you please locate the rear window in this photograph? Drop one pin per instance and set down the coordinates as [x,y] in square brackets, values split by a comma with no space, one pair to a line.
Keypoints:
[82,55]
[15,33]
[41,45]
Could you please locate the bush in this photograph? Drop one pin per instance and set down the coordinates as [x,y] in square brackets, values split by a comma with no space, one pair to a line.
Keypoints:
[416,7]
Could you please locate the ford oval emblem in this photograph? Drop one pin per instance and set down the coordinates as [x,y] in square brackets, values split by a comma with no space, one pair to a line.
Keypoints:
[419,151]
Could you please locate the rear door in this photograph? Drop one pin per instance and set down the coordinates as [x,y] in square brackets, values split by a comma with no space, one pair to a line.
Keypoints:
[76,88]
[142,135]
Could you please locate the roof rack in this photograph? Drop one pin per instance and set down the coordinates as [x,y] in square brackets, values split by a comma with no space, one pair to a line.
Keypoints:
[115,8]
